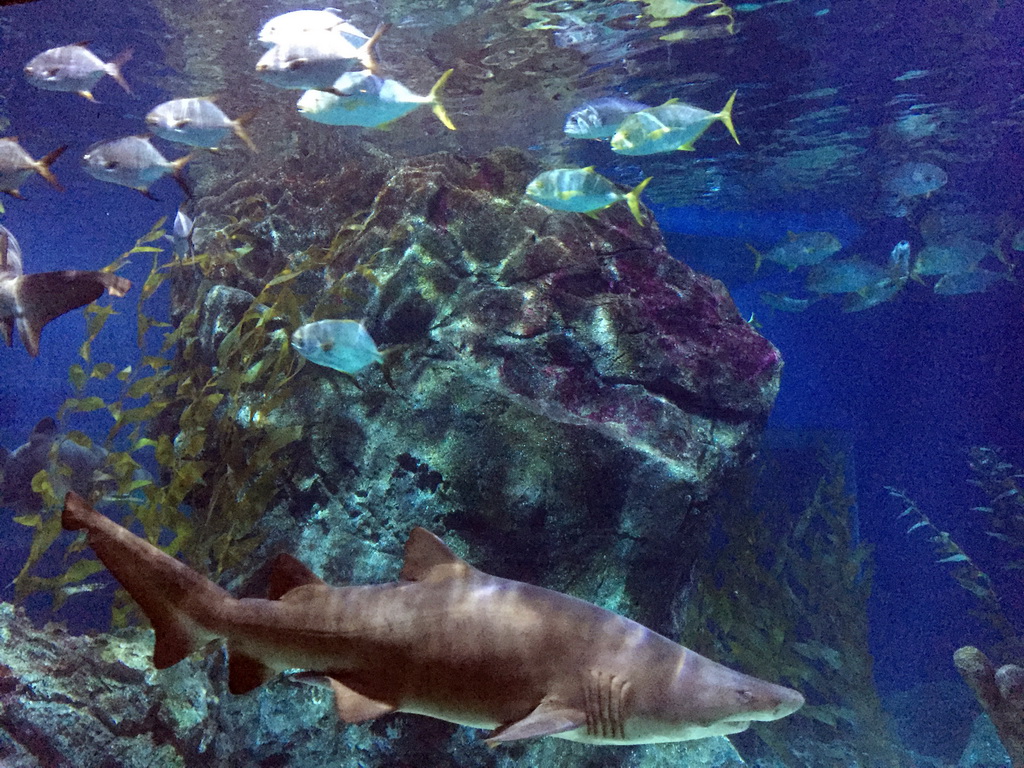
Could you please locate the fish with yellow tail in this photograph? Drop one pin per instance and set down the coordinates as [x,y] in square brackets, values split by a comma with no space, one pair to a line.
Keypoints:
[447,641]
[670,127]
[16,165]
[363,99]
[583,190]
[74,68]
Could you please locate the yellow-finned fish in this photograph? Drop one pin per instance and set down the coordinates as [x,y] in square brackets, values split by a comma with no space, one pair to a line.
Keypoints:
[132,162]
[669,127]
[316,60]
[74,68]
[197,123]
[363,99]
[16,165]
[582,190]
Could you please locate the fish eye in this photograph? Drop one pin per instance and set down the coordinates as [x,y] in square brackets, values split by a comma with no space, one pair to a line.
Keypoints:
[110,164]
[327,346]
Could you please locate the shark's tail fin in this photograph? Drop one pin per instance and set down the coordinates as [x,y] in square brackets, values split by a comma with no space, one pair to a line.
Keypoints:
[45,296]
[182,606]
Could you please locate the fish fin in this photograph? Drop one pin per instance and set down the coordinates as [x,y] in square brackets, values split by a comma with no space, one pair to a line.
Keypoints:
[45,296]
[355,707]
[87,95]
[113,68]
[238,126]
[163,587]
[148,195]
[287,573]
[549,718]
[7,330]
[428,558]
[182,123]
[176,166]
[14,193]
[633,199]
[758,257]
[685,148]
[366,55]
[658,133]
[673,100]
[42,166]
[726,116]
[245,672]
[435,101]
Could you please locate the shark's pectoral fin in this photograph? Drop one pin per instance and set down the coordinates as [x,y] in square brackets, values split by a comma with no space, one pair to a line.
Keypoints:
[550,717]
[245,672]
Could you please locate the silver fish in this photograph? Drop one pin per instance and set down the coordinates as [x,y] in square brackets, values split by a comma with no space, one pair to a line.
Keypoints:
[132,162]
[845,276]
[180,236]
[784,303]
[16,165]
[315,61]
[799,250]
[669,127]
[74,68]
[600,118]
[974,281]
[363,99]
[956,255]
[343,345]
[915,179]
[31,301]
[298,24]
[197,123]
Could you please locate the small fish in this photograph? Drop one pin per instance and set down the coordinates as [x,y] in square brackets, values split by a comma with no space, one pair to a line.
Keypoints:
[872,295]
[799,250]
[961,283]
[582,190]
[31,301]
[844,276]
[316,60]
[74,68]
[954,256]
[363,99]
[669,127]
[784,303]
[180,236]
[915,179]
[600,118]
[16,165]
[132,162]
[197,123]
[343,345]
[297,24]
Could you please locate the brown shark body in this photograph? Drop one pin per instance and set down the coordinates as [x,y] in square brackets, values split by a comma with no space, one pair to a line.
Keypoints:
[446,641]
[31,301]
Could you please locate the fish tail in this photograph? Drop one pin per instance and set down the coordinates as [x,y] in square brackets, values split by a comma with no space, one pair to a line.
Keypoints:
[758,257]
[238,126]
[176,166]
[181,604]
[366,52]
[726,116]
[43,164]
[435,100]
[633,199]
[114,68]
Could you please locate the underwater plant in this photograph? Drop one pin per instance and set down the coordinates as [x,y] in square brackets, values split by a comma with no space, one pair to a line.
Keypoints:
[215,428]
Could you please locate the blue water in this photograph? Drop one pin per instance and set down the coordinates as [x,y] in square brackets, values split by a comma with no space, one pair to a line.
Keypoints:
[912,383]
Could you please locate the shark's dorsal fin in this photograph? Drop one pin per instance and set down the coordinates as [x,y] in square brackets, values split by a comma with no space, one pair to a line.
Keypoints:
[550,717]
[287,573]
[427,558]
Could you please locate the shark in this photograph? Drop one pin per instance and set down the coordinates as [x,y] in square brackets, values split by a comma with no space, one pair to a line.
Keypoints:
[446,640]
[31,301]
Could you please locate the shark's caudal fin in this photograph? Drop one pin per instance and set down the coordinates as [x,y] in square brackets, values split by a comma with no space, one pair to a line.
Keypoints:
[45,296]
[181,605]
